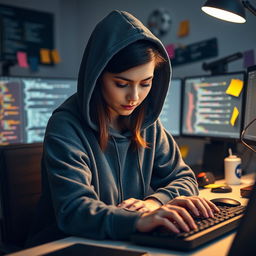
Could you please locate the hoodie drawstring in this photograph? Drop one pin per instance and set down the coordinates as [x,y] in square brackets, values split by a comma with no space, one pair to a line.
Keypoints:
[141,175]
[121,197]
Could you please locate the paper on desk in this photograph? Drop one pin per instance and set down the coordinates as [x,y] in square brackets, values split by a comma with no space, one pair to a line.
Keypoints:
[214,185]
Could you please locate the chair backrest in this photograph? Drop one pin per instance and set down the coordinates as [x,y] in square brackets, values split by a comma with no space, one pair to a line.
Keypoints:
[20,179]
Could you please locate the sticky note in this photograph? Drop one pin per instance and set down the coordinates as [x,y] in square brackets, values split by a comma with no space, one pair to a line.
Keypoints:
[214,185]
[234,116]
[22,59]
[235,87]
[184,151]
[170,50]
[45,56]
[55,56]
[33,63]
[249,59]
[183,28]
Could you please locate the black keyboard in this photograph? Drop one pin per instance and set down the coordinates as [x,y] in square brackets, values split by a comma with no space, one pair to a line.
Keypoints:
[207,229]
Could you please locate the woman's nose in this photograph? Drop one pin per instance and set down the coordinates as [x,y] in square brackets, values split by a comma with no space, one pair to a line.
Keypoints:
[133,95]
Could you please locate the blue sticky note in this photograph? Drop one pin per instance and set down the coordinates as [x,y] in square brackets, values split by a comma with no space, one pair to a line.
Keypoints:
[33,63]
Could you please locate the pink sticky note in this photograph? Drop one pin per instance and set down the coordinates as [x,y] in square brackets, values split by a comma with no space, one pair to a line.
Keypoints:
[249,59]
[170,50]
[22,59]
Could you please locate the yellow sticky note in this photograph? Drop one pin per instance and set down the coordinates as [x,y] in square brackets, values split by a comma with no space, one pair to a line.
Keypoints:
[45,56]
[184,151]
[214,185]
[55,56]
[234,116]
[235,87]
[183,28]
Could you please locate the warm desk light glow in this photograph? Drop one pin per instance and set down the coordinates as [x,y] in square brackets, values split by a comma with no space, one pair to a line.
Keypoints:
[228,10]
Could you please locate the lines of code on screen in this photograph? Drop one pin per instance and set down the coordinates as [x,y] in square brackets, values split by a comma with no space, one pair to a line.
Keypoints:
[210,109]
[11,112]
[26,105]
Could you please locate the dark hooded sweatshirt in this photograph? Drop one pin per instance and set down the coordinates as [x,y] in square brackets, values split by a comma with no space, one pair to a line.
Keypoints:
[81,184]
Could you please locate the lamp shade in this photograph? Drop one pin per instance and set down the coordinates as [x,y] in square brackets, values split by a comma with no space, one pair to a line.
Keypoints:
[229,10]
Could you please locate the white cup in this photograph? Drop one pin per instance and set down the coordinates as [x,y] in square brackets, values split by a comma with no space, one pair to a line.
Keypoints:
[233,171]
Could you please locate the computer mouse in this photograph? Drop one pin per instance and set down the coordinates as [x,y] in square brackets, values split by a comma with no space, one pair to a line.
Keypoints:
[225,202]
[205,178]
[222,189]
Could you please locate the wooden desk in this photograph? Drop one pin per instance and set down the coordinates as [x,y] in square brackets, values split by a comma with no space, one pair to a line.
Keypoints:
[218,247]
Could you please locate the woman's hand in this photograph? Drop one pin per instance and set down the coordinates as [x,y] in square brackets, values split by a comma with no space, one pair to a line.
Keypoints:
[172,217]
[134,204]
[196,205]
[175,215]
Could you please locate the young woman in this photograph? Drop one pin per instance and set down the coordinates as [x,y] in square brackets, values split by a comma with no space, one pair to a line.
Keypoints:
[109,167]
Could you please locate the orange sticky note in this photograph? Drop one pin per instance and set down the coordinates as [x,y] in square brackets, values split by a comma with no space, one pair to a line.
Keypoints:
[22,59]
[184,151]
[55,56]
[235,87]
[183,28]
[45,56]
[234,116]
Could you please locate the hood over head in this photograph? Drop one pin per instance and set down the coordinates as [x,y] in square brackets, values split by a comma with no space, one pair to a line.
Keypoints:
[116,31]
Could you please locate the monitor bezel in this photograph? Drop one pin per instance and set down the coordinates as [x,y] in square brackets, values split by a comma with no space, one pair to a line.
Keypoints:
[180,106]
[212,137]
[39,77]
[247,140]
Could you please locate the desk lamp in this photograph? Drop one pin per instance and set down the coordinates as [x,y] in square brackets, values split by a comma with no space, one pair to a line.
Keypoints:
[228,10]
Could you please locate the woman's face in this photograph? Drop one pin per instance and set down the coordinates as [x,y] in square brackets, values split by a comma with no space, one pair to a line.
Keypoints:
[125,91]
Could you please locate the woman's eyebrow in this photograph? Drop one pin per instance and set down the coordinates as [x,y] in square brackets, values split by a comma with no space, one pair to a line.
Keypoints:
[129,80]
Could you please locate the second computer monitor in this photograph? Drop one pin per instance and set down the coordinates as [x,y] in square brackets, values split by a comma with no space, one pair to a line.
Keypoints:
[250,106]
[171,112]
[212,106]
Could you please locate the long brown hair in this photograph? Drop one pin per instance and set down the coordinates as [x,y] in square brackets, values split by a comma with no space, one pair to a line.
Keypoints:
[135,54]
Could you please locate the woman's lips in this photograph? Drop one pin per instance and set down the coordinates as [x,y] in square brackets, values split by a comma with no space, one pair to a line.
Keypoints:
[128,107]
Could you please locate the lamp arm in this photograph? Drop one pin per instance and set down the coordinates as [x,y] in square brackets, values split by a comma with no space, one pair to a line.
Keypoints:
[250,7]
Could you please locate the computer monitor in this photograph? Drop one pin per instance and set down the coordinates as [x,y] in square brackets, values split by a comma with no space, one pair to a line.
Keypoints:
[250,106]
[171,112]
[213,109]
[26,104]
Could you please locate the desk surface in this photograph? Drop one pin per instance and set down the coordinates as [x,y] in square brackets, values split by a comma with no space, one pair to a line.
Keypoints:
[218,247]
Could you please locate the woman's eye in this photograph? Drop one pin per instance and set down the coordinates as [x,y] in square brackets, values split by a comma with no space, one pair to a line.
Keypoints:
[145,85]
[121,85]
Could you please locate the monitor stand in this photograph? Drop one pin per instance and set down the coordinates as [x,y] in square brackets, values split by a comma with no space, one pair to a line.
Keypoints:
[213,157]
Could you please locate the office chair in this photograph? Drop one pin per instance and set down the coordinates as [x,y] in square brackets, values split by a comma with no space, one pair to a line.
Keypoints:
[20,183]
